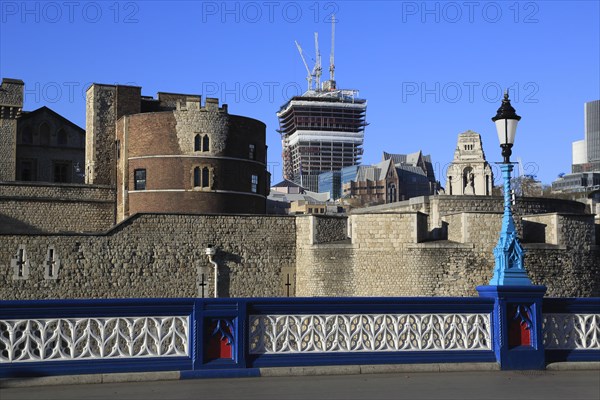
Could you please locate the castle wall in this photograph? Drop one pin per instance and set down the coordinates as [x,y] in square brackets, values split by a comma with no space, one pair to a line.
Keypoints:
[162,255]
[438,207]
[47,207]
[157,255]
[388,257]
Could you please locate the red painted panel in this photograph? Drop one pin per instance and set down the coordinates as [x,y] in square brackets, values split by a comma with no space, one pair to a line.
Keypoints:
[216,346]
[518,332]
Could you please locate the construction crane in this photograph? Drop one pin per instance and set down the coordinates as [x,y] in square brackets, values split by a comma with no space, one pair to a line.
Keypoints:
[317,70]
[331,63]
[309,76]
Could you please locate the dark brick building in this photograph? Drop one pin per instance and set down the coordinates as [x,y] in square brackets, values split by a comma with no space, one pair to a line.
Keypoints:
[37,146]
[50,148]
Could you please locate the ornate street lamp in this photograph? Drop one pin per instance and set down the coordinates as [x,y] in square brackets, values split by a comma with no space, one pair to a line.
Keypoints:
[517,317]
[509,268]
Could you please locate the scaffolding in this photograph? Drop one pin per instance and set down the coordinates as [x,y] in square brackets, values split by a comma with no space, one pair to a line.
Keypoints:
[321,131]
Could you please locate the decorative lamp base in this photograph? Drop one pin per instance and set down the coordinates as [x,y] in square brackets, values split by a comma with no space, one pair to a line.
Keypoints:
[517,325]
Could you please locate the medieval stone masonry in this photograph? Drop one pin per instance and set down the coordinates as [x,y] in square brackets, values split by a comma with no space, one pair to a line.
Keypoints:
[383,252]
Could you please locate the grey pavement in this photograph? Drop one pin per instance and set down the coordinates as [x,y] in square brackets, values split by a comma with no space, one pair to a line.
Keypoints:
[547,385]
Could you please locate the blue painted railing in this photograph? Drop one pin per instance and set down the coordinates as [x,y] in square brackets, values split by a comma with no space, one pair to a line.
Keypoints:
[204,336]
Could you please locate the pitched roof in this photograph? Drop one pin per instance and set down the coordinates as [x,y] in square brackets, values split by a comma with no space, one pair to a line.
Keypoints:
[375,172]
[286,183]
[28,114]
[410,168]
[411,158]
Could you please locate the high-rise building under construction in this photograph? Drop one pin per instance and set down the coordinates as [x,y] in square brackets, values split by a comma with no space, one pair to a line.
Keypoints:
[323,129]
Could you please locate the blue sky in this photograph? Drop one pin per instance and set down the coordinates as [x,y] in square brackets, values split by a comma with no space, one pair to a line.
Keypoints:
[429,70]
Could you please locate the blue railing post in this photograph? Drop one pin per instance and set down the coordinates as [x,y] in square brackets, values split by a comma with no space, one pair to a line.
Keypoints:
[517,325]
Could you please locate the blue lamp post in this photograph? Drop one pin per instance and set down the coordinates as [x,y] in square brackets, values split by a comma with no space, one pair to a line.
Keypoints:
[509,268]
[517,316]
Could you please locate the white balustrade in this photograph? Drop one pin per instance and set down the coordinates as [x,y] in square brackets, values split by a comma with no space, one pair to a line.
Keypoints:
[284,334]
[93,338]
[571,331]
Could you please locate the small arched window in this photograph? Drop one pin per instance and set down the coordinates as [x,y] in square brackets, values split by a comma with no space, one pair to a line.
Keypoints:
[61,137]
[197,143]
[44,134]
[205,177]
[205,143]
[197,182]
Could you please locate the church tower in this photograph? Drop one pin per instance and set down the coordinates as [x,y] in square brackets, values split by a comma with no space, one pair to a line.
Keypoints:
[469,174]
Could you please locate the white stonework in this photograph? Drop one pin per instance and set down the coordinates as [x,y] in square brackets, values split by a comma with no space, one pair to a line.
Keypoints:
[469,173]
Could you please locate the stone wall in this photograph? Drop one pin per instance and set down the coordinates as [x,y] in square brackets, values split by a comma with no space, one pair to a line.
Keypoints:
[105,104]
[471,227]
[437,207]
[48,207]
[156,255]
[542,228]
[162,255]
[387,257]
[11,105]
[330,228]
[385,230]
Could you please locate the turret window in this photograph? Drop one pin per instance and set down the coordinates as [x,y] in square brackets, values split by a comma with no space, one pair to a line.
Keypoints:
[139,182]
[254,184]
[201,143]
[202,177]
[205,177]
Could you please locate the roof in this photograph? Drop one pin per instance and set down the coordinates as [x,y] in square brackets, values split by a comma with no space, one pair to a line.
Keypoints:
[286,183]
[312,198]
[375,172]
[411,169]
[411,158]
[30,114]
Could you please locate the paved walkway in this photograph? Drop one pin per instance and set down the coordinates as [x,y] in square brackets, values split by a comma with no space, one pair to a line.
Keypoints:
[528,385]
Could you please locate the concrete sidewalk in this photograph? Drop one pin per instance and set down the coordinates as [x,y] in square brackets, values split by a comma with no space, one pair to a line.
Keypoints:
[275,372]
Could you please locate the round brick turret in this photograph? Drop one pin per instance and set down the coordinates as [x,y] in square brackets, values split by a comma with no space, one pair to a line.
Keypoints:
[191,160]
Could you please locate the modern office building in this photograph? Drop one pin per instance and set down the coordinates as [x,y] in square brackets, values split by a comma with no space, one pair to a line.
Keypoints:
[333,181]
[323,129]
[585,170]
[591,112]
